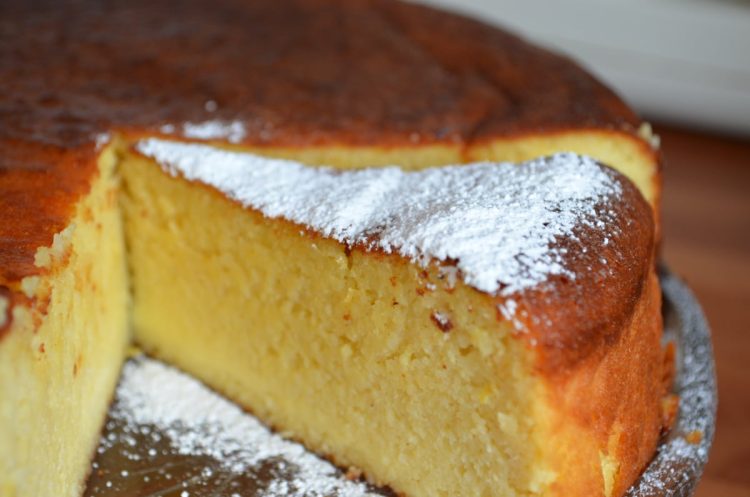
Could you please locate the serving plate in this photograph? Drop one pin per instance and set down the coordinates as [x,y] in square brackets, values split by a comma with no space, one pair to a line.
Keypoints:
[168,454]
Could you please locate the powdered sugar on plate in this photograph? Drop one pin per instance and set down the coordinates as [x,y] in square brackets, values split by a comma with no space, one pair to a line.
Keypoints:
[199,425]
[497,221]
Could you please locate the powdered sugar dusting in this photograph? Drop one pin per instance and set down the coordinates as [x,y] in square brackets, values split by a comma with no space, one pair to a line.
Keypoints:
[232,131]
[498,221]
[198,422]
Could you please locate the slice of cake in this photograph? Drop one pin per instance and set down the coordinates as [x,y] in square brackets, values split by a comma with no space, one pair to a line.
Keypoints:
[490,329]
[63,333]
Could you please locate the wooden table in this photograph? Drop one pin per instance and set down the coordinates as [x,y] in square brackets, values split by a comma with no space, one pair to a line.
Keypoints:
[706,210]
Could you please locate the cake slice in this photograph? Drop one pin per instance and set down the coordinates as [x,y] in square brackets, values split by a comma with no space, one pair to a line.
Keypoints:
[63,333]
[490,329]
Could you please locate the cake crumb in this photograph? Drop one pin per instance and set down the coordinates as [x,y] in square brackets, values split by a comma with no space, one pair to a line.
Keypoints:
[353,473]
[442,321]
[694,437]
[670,405]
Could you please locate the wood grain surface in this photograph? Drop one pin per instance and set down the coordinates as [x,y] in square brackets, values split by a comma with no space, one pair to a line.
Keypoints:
[707,241]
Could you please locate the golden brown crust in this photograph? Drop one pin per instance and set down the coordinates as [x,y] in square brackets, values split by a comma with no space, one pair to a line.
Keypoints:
[39,187]
[609,406]
[296,73]
[609,279]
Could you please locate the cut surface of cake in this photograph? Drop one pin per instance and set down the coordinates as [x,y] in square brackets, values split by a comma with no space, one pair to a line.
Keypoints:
[438,307]
[63,334]
[441,359]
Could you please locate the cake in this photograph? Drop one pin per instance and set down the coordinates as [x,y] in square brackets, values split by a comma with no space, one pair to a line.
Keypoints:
[430,365]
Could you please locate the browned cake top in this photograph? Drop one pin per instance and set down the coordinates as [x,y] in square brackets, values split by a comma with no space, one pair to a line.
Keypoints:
[292,72]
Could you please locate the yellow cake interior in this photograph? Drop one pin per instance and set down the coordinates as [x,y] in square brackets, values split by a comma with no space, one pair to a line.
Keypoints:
[62,356]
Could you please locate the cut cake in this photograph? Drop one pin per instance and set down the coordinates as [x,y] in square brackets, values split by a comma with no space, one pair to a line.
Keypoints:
[418,341]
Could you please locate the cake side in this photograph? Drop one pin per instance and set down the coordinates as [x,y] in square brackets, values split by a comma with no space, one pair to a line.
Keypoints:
[384,82]
[603,387]
[605,413]
[603,394]
[63,333]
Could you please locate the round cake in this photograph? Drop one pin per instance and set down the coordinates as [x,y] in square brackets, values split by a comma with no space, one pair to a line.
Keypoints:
[171,173]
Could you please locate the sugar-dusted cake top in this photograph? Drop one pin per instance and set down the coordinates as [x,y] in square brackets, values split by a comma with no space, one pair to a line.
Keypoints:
[501,224]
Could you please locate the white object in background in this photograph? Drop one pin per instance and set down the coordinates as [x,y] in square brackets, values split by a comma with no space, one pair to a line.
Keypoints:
[685,61]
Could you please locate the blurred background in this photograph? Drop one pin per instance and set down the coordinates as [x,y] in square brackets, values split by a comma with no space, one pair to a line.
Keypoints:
[685,66]
[680,61]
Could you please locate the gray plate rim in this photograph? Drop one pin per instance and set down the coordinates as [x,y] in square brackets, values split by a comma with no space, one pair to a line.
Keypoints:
[678,464]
